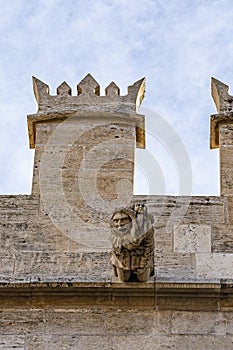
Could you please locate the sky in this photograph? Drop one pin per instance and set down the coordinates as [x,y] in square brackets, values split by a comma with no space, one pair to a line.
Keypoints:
[177,45]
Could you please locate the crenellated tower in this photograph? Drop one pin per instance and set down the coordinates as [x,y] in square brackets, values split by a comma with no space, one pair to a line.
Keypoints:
[85,151]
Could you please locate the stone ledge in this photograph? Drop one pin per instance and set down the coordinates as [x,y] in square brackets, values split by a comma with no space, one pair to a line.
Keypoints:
[215,121]
[192,296]
[133,119]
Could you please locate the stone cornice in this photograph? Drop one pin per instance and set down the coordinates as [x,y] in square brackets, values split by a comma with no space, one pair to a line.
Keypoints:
[137,120]
[215,121]
[203,296]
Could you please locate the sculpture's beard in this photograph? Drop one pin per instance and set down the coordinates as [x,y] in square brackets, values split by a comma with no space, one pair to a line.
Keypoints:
[125,228]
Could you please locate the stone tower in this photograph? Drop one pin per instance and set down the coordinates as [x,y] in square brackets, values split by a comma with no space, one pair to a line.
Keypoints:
[84,154]
[57,288]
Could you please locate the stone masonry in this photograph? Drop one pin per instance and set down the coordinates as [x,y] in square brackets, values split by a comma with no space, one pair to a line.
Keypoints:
[57,287]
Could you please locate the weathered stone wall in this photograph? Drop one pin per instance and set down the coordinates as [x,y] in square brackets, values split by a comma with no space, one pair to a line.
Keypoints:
[190,239]
[33,249]
[192,245]
[76,147]
[114,329]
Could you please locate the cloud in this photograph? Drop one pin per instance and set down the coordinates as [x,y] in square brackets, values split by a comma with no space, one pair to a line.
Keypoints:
[176,45]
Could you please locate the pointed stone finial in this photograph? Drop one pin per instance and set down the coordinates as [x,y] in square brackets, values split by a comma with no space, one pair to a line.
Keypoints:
[88,86]
[223,101]
[112,90]
[136,92]
[64,89]
[40,89]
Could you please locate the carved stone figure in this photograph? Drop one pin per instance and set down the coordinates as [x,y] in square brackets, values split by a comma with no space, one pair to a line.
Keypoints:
[132,238]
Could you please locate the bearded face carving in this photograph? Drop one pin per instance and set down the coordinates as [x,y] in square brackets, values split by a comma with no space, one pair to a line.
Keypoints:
[132,238]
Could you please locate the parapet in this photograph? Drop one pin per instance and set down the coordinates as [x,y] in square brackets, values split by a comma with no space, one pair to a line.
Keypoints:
[88,97]
[88,104]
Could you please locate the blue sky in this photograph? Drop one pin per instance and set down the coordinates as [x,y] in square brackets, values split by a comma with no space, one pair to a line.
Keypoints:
[176,45]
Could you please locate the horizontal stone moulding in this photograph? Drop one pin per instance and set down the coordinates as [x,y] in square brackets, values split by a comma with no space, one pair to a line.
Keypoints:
[162,295]
[94,118]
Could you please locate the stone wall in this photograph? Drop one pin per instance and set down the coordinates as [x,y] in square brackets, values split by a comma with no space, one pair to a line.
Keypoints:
[48,301]
[43,306]
[114,329]
[192,235]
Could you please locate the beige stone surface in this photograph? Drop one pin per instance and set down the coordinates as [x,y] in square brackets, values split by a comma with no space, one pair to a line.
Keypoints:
[84,169]
[175,266]
[88,95]
[33,245]
[215,265]
[10,342]
[229,209]
[192,238]
[163,239]
[135,342]
[222,240]
[226,157]
[94,328]
[201,323]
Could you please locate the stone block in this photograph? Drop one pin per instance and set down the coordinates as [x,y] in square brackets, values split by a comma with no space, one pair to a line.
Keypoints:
[214,266]
[229,209]
[123,322]
[199,323]
[222,240]
[75,321]
[192,238]
[204,210]
[41,342]
[62,266]
[163,239]
[10,342]
[169,211]
[200,342]
[175,267]
[20,321]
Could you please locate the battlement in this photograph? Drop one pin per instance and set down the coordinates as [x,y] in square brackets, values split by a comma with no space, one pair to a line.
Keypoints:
[88,97]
